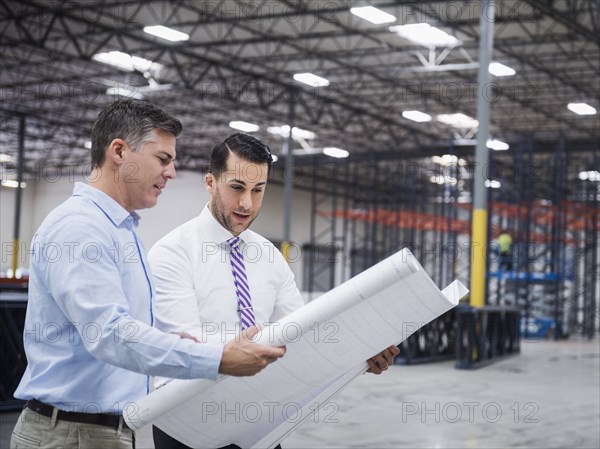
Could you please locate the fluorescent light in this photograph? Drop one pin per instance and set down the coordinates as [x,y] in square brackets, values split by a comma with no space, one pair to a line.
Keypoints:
[5,158]
[311,79]
[299,133]
[458,120]
[416,116]
[581,108]
[284,131]
[497,145]
[591,175]
[425,35]
[126,62]
[497,69]
[335,152]
[13,184]
[125,91]
[493,184]
[116,59]
[373,15]
[166,33]
[244,126]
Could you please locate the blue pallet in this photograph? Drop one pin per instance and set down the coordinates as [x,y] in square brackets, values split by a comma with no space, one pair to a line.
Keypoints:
[537,327]
[523,276]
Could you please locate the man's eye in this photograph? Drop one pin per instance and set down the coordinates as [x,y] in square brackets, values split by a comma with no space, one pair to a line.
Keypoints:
[257,190]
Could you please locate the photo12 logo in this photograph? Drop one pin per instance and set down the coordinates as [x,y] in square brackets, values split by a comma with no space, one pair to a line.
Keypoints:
[453,412]
[272,412]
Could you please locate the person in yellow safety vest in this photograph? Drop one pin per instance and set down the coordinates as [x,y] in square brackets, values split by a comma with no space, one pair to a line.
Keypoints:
[505,243]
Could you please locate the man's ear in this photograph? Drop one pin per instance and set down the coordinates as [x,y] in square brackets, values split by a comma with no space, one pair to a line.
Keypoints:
[209,182]
[115,151]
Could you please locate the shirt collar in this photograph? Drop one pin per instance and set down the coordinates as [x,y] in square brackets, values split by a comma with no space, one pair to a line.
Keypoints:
[215,232]
[113,210]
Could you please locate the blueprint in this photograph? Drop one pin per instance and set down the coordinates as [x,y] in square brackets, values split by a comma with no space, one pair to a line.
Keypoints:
[328,342]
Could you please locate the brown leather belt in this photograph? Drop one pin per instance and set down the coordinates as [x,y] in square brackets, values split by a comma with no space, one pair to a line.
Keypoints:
[102,419]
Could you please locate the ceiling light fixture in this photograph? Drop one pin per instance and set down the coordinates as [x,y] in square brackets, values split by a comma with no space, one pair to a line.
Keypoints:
[497,145]
[425,35]
[244,126]
[373,15]
[416,116]
[13,184]
[335,152]
[497,69]
[166,33]
[581,108]
[126,62]
[311,79]
[458,120]
[284,131]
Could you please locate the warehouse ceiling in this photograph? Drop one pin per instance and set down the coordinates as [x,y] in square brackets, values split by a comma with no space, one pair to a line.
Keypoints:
[241,57]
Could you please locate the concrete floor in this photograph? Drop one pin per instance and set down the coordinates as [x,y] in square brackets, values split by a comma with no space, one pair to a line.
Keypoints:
[548,397]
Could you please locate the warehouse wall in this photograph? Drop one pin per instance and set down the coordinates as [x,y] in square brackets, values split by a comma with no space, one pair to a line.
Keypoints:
[7,218]
[181,200]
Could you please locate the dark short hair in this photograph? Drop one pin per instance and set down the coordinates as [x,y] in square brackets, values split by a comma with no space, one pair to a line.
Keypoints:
[134,121]
[242,145]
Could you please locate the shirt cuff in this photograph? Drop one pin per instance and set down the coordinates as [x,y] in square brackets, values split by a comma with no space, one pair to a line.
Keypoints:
[206,359]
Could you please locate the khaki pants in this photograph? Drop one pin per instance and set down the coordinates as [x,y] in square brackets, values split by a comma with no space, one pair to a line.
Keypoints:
[35,430]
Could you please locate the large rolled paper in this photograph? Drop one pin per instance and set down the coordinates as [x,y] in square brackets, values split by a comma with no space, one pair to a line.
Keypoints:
[327,342]
[362,286]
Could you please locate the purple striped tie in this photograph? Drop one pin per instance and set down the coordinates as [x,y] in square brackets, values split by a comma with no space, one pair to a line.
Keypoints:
[241,284]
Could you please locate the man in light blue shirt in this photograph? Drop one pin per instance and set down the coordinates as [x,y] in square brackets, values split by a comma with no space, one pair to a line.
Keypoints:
[88,333]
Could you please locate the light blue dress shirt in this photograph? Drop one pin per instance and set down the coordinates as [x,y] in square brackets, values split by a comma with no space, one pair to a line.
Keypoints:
[88,337]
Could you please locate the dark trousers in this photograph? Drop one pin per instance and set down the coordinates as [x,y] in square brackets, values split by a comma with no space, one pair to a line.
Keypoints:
[165,441]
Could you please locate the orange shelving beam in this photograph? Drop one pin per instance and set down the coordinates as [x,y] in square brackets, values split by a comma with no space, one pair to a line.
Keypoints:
[407,219]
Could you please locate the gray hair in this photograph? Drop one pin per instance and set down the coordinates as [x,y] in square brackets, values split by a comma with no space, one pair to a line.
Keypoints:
[134,121]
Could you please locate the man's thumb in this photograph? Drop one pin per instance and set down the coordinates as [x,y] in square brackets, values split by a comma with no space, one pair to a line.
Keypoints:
[250,332]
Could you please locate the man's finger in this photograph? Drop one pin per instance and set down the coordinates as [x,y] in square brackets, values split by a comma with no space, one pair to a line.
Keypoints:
[373,367]
[395,350]
[388,354]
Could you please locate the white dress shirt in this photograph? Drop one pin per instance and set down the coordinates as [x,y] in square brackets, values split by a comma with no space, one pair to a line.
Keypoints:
[195,292]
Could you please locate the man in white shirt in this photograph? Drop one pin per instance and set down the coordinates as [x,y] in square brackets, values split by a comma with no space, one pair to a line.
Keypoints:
[197,271]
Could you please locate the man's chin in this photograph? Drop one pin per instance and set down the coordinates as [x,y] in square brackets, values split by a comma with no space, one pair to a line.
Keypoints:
[238,228]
